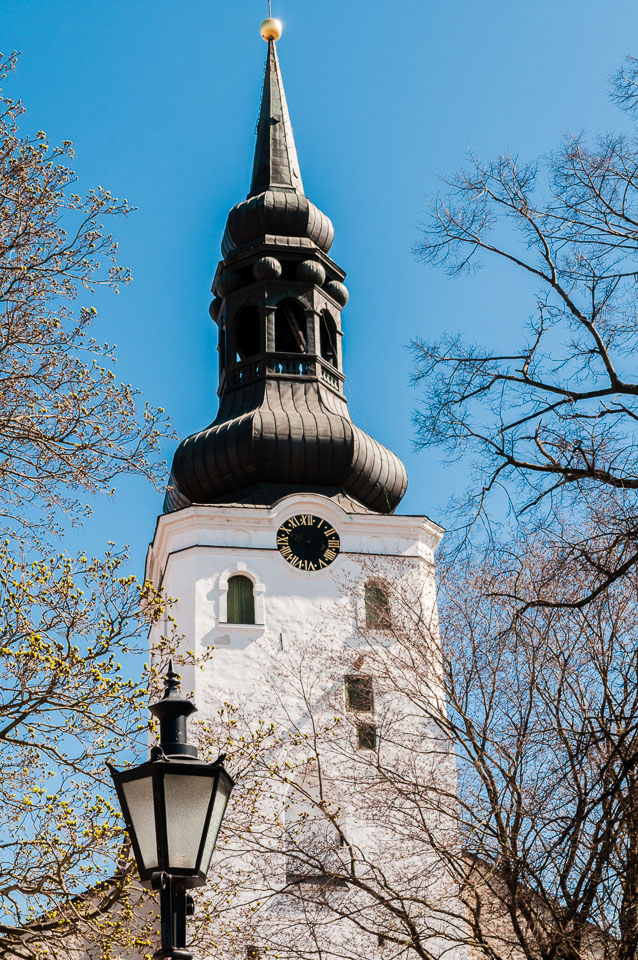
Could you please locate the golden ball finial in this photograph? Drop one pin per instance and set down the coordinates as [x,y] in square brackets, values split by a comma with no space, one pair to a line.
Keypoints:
[271,28]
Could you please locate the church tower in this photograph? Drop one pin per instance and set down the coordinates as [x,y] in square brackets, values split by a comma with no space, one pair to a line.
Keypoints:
[280,541]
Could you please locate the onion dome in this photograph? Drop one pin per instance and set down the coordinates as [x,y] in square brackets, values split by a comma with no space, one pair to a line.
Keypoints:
[285,436]
[283,424]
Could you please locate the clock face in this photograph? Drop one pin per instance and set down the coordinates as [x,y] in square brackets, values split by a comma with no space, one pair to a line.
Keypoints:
[307,542]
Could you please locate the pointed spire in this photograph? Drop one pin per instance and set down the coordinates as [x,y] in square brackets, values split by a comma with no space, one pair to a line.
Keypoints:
[276,163]
[172,711]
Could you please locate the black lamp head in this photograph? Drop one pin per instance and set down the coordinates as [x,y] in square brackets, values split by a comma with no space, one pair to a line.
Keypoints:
[173,805]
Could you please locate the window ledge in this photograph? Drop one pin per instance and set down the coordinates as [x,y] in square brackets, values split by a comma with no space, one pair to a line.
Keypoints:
[241,627]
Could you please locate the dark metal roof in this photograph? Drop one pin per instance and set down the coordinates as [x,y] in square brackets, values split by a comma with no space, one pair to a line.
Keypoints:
[275,163]
[283,424]
[278,217]
[276,209]
[286,434]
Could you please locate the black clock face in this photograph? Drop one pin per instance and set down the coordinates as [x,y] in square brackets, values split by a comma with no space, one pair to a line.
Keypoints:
[307,542]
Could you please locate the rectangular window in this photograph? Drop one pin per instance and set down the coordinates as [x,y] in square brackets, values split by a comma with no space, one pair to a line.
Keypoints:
[359,694]
[366,736]
[377,606]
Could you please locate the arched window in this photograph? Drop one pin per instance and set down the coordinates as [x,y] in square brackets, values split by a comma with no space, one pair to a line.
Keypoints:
[377,605]
[247,338]
[290,328]
[241,600]
[328,338]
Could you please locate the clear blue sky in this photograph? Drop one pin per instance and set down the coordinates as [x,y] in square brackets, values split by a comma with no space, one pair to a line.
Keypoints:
[161,101]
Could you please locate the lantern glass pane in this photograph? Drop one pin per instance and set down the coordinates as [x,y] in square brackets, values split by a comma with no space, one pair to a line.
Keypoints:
[219,808]
[139,800]
[187,800]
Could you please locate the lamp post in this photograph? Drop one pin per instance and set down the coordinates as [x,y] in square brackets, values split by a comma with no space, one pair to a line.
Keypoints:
[173,806]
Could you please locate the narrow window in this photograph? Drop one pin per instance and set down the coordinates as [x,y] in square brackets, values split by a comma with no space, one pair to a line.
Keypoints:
[247,341]
[377,606]
[290,328]
[241,600]
[328,338]
[366,736]
[359,695]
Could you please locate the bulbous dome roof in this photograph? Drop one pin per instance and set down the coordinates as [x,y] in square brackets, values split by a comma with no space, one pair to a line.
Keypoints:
[249,455]
[277,216]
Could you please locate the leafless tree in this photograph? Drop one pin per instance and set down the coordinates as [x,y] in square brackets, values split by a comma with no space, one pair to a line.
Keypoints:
[67,424]
[543,710]
[550,423]
[336,848]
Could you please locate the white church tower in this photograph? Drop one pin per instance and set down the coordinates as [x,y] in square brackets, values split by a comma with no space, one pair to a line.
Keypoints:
[299,583]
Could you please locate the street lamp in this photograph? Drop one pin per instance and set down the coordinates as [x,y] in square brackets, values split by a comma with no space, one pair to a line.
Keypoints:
[173,807]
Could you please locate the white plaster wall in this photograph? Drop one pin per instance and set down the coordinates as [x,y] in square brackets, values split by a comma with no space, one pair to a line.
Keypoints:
[195,551]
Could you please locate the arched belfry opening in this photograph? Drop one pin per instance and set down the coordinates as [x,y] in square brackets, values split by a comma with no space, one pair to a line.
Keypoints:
[328,338]
[290,328]
[247,327]
[222,348]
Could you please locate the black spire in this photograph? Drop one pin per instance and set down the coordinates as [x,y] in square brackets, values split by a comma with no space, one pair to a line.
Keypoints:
[283,424]
[276,164]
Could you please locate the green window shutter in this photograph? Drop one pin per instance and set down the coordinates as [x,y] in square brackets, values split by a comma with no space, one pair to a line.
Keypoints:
[241,601]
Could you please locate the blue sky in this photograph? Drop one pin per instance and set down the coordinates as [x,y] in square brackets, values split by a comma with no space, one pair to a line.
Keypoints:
[161,101]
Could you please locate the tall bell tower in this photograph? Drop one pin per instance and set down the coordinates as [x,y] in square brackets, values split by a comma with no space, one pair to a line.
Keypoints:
[279,536]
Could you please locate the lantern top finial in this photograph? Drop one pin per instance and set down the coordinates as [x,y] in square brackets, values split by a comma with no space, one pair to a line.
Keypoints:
[172,679]
[172,711]
[271,28]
